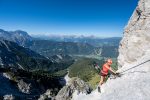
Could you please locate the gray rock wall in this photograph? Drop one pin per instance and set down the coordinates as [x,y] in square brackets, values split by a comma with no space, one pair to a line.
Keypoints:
[136,39]
[134,57]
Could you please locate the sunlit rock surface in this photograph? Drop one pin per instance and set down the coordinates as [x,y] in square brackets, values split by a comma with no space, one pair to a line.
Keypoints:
[133,60]
[76,85]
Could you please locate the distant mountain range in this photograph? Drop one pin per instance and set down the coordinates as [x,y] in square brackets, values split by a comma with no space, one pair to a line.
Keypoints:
[66,45]
[92,40]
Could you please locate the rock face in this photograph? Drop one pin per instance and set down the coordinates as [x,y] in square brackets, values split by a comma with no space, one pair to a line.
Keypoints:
[20,37]
[134,61]
[24,87]
[135,42]
[77,85]
[9,97]
[46,95]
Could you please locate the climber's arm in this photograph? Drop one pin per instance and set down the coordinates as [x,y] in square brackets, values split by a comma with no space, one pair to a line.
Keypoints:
[109,68]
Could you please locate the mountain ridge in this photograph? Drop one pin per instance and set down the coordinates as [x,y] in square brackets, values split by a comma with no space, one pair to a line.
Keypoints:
[69,45]
[20,37]
[13,55]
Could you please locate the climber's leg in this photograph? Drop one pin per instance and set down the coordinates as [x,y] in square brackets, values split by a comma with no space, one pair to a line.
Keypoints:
[100,83]
[101,80]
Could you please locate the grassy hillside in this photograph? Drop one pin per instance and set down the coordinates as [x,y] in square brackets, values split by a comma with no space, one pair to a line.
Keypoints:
[84,69]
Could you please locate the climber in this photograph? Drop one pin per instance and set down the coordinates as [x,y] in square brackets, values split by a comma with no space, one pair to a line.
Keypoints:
[104,72]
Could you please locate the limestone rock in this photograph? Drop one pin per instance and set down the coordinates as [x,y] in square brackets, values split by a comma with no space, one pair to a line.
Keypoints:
[135,42]
[9,97]
[134,61]
[67,91]
[24,87]
[46,96]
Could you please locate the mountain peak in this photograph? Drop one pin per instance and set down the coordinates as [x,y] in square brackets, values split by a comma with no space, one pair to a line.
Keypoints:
[1,30]
[21,32]
[20,37]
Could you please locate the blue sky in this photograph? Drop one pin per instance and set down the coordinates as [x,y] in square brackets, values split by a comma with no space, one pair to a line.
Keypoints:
[104,18]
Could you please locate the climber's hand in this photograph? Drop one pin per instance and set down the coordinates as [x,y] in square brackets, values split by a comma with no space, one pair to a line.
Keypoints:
[118,74]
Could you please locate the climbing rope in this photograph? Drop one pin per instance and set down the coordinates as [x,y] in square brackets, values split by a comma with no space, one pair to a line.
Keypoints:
[123,72]
[134,66]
